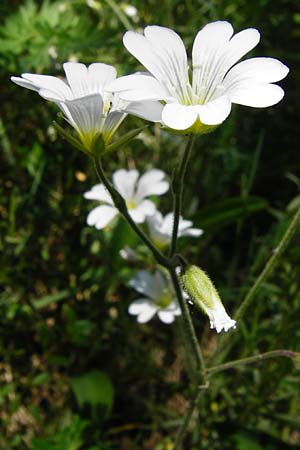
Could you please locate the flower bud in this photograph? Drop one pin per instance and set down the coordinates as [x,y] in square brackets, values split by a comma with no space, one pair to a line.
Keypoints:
[201,290]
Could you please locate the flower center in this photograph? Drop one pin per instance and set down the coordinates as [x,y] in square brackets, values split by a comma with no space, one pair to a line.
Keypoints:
[164,299]
[131,203]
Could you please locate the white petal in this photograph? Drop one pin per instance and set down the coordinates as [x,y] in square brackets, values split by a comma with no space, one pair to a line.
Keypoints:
[112,122]
[143,283]
[155,219]
[179,117]
[100,75]
[139,305]
[24,83]
[172,54]
[219,319]
[77,76]
[210,38]
[256,70]
[256,95]
[216,111]
[144,209]
[167,224]
[166,316]
[100,193]
[148,110]
[101,216]
[58,88]
[209,45]
[156,229]
[151,183]
[139,87]
[87,113]
[159,283]
[125,181]
[147,314]
[162,52]
[194,232]
[240,44]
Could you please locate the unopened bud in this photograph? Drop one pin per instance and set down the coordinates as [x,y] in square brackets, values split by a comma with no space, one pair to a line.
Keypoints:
[201,290]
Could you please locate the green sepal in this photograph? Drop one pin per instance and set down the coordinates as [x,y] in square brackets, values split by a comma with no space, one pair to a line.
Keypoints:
[124,139]
[197,284]
[71,139]
[99,146]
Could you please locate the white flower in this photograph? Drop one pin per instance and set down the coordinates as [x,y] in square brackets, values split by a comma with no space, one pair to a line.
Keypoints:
[218,317]
[133,189]
[161,228]
[159,298]
[217,81]
[85,101]
[200,289]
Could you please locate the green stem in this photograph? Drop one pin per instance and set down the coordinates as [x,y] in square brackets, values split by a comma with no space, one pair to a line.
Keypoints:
[269,267]
[188,416]
[120,14]
[190,332]
[188,325]
[177,188]
[252,359]
[120,204]
[277,252]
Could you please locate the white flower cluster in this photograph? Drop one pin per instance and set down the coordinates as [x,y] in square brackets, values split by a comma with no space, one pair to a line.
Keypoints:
[159,297]
[94,102]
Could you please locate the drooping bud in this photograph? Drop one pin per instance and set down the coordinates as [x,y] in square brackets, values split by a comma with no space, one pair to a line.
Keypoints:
[201,290]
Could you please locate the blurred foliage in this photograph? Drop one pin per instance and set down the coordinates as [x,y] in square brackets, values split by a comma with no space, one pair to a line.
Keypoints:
[76,372]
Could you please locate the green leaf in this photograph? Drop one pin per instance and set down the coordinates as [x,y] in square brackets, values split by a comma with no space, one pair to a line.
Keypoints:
[124,139]
[229,210]
[68,137]
[94,389]
[51,298]
[41,378]
[244,442]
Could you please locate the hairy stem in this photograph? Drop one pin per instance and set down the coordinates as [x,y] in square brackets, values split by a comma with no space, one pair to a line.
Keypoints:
[188,325]
[269,267]
[252,359]
[182,430]
[168,263]
[177,188]
[120,204]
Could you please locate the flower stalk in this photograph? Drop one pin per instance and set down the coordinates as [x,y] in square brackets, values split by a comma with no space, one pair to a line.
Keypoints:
[266,272]
[269,267]
[188,324]
[182,430]
[177,188]
[120,204]
[252,359]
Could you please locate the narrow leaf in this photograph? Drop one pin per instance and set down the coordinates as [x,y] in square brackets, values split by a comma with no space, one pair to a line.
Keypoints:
[68,137]
[124,139]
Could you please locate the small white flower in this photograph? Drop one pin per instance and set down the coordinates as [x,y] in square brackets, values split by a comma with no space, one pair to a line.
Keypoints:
[128,254]
[201,290]
[217,81]
[85,101]
[161,228]
[218,317]
[133,189]
[130,10]
[159,298]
